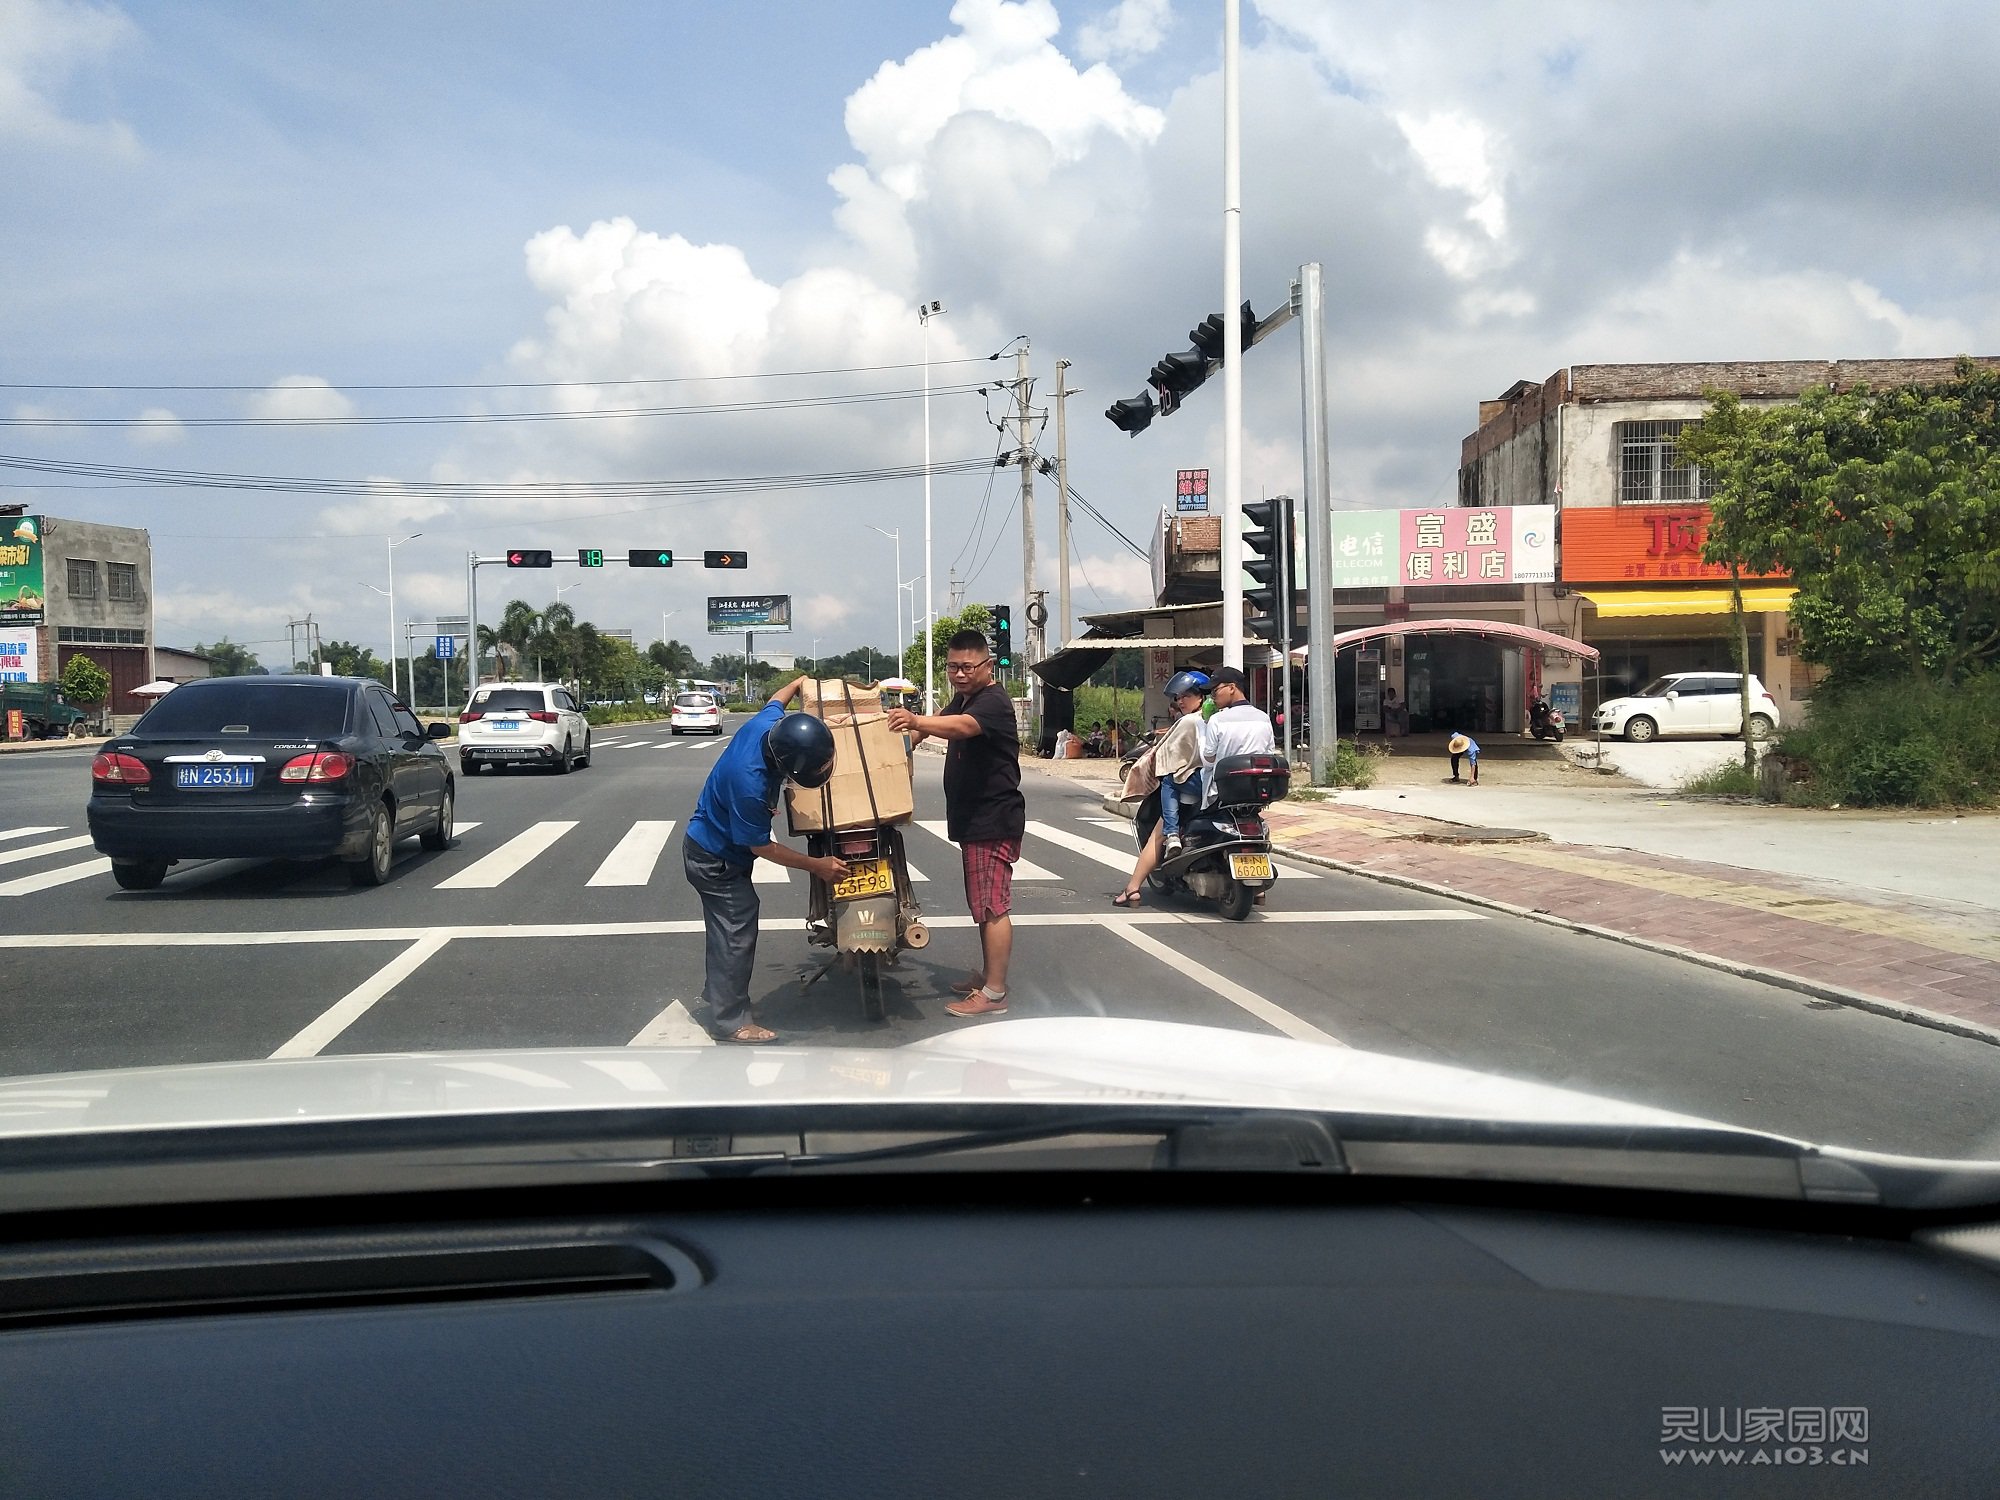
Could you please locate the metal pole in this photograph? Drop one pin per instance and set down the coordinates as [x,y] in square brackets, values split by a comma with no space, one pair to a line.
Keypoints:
[1027,511]
[924,314]
[1289,623]
[1319,525]
[472,617]
[392,615]
[1232,341]
[1062,506]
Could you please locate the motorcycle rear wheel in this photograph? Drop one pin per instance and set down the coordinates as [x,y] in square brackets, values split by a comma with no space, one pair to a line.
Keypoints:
[1237,903]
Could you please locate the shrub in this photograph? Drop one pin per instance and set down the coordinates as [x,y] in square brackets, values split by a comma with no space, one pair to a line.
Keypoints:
[1899,743]
[1723,781]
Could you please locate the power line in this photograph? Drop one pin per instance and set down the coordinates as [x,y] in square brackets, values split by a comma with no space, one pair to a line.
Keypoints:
[517,385]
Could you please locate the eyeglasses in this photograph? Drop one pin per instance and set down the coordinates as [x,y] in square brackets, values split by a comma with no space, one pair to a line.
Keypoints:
[960,668]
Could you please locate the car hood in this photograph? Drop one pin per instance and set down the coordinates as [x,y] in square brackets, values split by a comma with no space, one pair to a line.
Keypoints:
[1072,1062]
[1617,705]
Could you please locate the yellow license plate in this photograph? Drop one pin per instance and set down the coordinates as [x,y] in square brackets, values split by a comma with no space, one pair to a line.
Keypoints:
[1251,866]
[871,877]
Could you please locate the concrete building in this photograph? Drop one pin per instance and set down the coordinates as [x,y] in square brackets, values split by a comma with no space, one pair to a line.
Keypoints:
[75,588]
[171,664]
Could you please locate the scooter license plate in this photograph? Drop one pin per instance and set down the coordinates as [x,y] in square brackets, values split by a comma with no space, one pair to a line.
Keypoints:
[1251,866]
[868,877]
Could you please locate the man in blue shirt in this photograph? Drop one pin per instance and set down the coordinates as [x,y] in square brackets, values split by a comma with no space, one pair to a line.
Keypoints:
[731,830]
[1463,744]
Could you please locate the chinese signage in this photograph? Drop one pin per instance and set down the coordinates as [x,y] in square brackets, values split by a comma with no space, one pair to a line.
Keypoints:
[1375,549]
[22,592]
[737,613]
[1639,544]
[20,654]
[1191,492]
[444,647]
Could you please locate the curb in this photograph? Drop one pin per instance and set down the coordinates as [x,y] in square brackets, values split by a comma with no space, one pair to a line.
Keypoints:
[1781,979]
[35,747]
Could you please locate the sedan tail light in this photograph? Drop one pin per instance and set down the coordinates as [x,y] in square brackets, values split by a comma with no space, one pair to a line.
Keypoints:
[542,716]
[321,765]
[470,716]
[114,769]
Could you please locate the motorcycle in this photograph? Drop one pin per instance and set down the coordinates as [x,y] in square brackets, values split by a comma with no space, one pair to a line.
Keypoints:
[1546,722]
[1226,853]
[869,917]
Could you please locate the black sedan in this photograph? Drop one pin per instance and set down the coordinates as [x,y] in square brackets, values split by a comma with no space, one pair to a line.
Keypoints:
[270,768]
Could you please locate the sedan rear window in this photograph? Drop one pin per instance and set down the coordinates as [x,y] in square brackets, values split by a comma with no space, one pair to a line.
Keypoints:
[242,705]
[693,700]
[510,700]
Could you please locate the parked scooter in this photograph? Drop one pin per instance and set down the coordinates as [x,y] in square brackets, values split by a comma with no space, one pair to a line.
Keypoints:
[1226,853]
[869,917]
[1546,722]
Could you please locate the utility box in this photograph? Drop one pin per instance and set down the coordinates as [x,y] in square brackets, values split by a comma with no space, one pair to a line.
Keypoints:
[871,782]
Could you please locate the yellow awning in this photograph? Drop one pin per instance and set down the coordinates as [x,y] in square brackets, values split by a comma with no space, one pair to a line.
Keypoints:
[1619,603]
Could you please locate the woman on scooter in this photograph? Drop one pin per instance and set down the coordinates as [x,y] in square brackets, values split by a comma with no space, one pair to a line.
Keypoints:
[1176,762]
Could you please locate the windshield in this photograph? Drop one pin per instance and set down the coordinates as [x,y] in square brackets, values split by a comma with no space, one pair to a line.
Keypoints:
[371,363]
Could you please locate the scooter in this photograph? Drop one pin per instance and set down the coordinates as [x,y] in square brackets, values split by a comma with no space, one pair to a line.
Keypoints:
[1546,723]
[870,916]
[1226,853]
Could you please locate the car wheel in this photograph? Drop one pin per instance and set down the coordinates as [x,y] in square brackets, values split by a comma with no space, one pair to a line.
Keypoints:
[1761,726]
[373,867]
[440,836]
[585,762]
[1639,729]
[563,761]
[139,874]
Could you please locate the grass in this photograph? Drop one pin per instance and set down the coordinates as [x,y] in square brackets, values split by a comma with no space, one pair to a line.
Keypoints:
[1898,743]
[1722,781]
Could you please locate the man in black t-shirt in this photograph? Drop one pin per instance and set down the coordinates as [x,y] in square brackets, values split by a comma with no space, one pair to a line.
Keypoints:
[985,813]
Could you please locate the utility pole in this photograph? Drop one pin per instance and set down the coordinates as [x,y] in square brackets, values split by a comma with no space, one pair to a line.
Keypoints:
[1063,393]
[957,593]
[1232,340]
[1027,460]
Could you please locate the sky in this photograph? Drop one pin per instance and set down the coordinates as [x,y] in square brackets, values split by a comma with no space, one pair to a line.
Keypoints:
[245,226]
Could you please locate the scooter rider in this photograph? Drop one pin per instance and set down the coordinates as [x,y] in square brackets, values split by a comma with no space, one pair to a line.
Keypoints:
[1237,727]
[1177,758]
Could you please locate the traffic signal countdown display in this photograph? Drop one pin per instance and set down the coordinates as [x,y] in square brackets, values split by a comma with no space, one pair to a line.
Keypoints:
[590,557]
[1003,637]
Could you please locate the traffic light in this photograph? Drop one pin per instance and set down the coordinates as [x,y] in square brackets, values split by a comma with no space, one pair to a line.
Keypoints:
[1176,376]
[590,557]
[1133,415]
[653,557]
[1268,543]
[526,557]
[1003,637]
[725,560]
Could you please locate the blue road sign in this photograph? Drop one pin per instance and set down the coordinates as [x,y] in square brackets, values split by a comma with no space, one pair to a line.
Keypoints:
[447,647]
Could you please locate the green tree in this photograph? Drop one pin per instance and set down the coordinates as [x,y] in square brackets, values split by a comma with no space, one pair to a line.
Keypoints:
[972,617]
[227,659]
[350,660]
[1885,508]
[84,681]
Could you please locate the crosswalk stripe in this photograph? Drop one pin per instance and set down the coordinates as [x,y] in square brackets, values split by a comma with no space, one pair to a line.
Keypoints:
[915,873]
[607,744]
[766,873]
[28,884]
[1024,869]
[667,745]
[23,833]
[1104,854]
[457,828]
[36,851]
[672,1027]
[509,859]
[631,863]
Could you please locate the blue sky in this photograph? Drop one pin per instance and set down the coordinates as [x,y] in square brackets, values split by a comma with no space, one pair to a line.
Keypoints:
[374,194]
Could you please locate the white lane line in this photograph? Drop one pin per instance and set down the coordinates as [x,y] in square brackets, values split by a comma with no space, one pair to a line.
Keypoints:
[1104,854]
[607,744]
[28,884]
[766,873]
[24,833]
[672,1027]
[509,859]
[631,863]
[1024,869]
[1264,1010]
[915,873]
[356,1003]
[668,745]
[681,928]
[457,828]
[36,851]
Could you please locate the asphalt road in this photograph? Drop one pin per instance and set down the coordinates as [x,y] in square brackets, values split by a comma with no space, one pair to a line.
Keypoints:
[561,917]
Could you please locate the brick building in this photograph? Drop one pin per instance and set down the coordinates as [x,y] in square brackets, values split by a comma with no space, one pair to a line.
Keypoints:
[75,588]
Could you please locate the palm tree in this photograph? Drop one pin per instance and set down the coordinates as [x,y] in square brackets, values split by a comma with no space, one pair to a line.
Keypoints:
[518,626]
[552,630]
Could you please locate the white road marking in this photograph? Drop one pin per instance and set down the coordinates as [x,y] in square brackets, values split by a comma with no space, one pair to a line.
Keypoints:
[672,1027]
[1104,854]
[1122,823]
[1024,869]
[631,863]
[1264,1010]
[36,851]
[457,828]
[29,884]
[356,1003]
[766,873]
[607,744]
[23,833]
[509,859]
[682,928]
[915,873]
[668,745]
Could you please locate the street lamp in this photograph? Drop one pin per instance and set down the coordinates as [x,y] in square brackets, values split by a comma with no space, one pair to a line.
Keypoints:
[896,536]
[392,627]
[815,656]
[563,588]
[925,312]
[394,543]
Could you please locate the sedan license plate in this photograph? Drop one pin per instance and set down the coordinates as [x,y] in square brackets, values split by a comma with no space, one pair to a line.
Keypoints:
[1251,866]
[204,777]
[868,877]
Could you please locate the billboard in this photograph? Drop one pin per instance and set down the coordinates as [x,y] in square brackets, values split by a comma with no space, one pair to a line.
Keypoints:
[1639,544]
[23,594]
[1191,492]
[20,653]
[733,614]
[1446,545]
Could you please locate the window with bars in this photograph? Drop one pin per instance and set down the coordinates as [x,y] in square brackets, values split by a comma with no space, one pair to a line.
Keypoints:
[82,579]
[124,581]
[96,635]
[1650,472]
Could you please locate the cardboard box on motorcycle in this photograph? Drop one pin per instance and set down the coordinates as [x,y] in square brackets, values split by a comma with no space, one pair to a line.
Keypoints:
[868,757]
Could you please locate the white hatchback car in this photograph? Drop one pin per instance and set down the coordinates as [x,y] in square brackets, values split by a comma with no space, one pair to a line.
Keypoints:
[523,724]
[696,711]
[1690,703]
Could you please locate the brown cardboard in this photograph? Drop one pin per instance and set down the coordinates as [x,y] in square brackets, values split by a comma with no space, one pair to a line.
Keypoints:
[833,700]
[867,755]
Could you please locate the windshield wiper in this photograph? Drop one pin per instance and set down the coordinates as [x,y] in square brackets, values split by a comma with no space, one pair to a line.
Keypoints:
[1204,1141]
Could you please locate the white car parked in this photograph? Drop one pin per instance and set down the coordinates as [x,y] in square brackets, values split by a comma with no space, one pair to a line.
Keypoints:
[523,724]
[1690,703]
[696,712]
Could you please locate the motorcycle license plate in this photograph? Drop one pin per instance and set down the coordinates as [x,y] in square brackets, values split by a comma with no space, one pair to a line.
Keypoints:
[1251,866]
[868,877]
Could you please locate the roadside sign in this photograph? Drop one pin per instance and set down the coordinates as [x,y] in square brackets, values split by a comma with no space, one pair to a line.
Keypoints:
[1191,492]
[446,648]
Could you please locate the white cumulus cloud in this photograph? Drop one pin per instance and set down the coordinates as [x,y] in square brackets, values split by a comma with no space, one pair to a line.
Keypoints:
[42,43]
[1132,28]
[296,396]
[158,427]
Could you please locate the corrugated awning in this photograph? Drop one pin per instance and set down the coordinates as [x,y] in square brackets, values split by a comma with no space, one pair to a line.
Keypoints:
[1621,603]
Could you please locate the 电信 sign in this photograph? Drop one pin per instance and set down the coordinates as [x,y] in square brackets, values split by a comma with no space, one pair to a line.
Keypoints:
[1444,545]
[733,614]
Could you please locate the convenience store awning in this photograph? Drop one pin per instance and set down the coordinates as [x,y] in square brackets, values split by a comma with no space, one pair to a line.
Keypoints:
[1622,603]
[1520,635]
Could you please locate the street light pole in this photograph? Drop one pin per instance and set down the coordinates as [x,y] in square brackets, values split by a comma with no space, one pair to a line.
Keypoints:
[394,543]
[896,536]
[1232,341]
[925,313]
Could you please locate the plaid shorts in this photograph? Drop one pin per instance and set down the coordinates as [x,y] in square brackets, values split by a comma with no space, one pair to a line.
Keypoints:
[989,876]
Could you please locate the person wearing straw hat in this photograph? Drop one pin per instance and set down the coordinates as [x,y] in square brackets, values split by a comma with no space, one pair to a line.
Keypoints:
[1465,745]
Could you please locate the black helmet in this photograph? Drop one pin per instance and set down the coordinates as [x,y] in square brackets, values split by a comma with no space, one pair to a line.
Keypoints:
[800,748]
[1186,682]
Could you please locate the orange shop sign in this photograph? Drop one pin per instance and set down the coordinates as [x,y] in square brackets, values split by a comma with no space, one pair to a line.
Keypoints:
[1638,544]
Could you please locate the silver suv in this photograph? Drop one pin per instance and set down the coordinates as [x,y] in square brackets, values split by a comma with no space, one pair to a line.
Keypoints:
[523,724]
[1690,703]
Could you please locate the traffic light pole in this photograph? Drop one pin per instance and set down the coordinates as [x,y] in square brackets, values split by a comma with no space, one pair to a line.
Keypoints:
[1319,525]
[1232,341]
